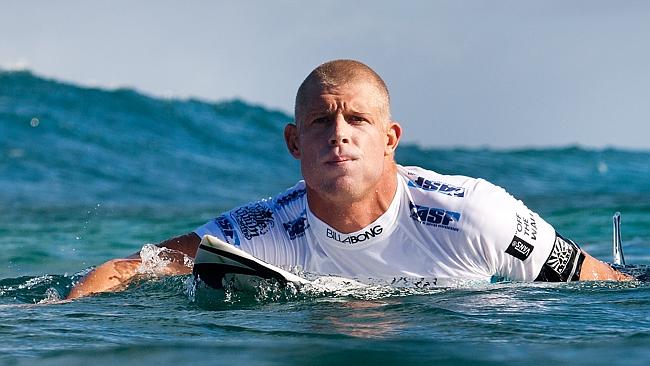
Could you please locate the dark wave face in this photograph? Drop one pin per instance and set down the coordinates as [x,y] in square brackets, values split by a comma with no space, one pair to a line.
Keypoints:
[62,144]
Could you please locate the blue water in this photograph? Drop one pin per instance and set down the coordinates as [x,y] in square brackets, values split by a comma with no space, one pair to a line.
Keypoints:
[87,175]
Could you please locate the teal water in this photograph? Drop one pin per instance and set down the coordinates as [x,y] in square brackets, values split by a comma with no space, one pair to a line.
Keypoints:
[87,175]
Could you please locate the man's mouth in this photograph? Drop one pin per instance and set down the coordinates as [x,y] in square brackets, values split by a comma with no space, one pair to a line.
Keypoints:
[338,160]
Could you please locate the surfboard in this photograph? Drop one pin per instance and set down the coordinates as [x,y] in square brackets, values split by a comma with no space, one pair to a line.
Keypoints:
[215,259]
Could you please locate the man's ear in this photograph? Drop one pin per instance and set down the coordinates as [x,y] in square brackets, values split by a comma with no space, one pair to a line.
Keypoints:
[393,134]
[291,139]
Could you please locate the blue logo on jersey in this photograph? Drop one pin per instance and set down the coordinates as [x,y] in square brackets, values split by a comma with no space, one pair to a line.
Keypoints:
[296,228]
[289,197]
[254,220]
[431,186]
[436,217]
[227,229]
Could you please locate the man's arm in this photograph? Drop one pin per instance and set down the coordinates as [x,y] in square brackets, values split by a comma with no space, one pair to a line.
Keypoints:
[118,272]
[595,270]
[569,262]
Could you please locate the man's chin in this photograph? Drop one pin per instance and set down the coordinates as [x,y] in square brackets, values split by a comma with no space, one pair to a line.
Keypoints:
[340,188]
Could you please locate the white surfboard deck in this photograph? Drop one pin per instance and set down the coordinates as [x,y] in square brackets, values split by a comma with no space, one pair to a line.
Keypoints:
[216,259]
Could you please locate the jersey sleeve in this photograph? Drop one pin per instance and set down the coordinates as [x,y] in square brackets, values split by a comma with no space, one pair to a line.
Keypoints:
[253,227]
[221,227]
[254,222]
[517,243]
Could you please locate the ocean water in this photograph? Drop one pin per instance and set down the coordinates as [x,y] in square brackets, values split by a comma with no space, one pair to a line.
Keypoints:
[87,175]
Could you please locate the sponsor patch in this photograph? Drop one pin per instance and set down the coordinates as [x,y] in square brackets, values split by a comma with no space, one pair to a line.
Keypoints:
[253,220]
[227,229]
[561,255]
[564,262]
[436,217]
[355,238]
[433,186]
[519,249]
[296,228]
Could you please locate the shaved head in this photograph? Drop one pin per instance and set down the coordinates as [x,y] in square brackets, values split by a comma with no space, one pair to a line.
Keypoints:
[338,73]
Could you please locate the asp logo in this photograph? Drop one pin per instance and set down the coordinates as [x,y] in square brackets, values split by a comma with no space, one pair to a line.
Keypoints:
[428,185]
[436,217]
[353,239]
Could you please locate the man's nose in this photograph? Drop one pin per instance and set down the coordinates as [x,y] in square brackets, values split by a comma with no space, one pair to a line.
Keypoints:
[340,131]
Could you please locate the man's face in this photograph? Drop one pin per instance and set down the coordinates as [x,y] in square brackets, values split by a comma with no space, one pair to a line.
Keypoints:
[344,139]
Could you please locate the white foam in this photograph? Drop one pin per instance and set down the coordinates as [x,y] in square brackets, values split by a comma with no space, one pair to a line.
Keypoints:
[158,261]
[52,296]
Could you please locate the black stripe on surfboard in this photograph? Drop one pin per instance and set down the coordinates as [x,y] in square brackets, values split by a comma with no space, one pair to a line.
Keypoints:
[212,274]
[207,271]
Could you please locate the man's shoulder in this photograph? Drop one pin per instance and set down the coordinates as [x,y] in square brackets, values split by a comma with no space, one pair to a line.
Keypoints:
[428,181]
[285,202]
[289,196]
[455,192]
[259,218]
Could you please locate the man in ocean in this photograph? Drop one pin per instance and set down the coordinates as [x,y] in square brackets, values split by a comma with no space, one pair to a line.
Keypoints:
[359,214]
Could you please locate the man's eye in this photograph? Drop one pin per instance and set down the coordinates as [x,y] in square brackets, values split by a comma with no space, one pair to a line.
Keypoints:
[319,120]
[356,119]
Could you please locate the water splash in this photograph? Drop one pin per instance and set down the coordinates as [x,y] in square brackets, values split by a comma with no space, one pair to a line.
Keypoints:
[244,290]
[90,214]
[158,261]
[35,290]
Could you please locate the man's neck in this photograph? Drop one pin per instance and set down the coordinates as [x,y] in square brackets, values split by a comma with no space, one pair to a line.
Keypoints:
[350,215]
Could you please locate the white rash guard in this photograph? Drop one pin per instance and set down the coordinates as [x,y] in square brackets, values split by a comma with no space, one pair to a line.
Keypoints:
[437,227]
